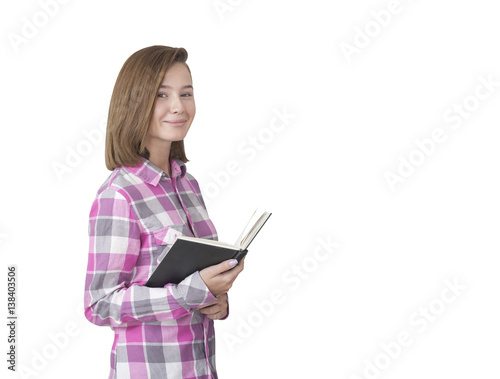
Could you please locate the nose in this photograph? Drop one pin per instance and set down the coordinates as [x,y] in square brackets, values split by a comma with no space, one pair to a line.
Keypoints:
[176,105]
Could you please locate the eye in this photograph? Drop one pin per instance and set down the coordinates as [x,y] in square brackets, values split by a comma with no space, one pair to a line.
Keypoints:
[162,95]
[187,95]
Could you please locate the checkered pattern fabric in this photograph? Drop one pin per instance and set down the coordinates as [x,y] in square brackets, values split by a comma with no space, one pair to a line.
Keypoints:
[137,214]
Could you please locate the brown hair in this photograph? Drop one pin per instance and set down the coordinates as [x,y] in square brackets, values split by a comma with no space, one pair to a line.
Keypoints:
[132,105]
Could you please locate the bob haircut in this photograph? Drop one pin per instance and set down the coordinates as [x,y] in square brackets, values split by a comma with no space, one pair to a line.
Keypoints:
[132,104]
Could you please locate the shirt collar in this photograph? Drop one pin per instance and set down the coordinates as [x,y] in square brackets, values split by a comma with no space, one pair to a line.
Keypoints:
[151,174]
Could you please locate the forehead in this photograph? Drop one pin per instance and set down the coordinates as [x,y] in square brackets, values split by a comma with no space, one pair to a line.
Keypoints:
[177,74]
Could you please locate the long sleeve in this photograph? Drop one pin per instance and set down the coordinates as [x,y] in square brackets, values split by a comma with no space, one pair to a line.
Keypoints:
[119,262]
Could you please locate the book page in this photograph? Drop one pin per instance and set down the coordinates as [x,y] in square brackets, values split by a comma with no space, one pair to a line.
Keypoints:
[247,228]
[209,242]
[254,230]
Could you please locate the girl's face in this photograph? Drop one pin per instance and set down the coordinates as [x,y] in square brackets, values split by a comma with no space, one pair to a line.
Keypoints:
[174,108]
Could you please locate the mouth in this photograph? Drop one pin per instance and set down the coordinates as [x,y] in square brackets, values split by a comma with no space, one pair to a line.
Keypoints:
[176,122]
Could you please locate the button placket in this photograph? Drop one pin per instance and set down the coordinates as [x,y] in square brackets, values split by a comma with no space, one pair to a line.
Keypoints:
[190,221]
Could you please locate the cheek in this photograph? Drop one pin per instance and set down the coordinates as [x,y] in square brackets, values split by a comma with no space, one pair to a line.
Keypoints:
[154,117]
[155,124]
[191,108]
[159,110]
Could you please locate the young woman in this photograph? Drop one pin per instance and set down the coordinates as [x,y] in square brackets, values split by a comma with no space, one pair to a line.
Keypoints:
[148,200]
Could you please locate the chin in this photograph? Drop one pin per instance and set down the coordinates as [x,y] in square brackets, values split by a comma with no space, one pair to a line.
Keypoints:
[172,135]
[176,137]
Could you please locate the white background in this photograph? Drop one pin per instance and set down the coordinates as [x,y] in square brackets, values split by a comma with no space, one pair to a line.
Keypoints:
[355,117]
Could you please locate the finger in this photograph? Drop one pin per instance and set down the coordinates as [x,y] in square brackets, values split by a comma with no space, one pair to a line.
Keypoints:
[217,312]
[207,305]
[211,310]
[219,305]
[216,316]
[232,274]
[221,267]
[205,311]
[219,300]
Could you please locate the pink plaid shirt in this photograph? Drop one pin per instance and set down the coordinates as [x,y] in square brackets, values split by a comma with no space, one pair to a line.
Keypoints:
[134,220]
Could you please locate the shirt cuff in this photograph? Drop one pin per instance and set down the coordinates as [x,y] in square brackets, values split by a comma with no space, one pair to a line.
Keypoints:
[194,291]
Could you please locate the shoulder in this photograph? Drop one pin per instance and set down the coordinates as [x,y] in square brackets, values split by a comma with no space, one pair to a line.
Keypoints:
[114,199]
[193,182]
[117,185]
[190,177]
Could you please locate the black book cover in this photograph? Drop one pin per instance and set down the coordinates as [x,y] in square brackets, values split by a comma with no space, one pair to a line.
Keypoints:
[186,257]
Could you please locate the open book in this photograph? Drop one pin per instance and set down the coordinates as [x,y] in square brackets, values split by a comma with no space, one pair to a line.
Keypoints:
[190,254]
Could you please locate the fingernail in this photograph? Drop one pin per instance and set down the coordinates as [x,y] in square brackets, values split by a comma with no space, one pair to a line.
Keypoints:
[233,262]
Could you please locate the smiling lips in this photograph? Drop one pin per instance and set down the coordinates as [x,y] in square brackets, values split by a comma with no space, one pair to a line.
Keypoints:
[175,122]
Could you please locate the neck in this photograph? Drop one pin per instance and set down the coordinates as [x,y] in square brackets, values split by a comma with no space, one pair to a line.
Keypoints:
[159,155]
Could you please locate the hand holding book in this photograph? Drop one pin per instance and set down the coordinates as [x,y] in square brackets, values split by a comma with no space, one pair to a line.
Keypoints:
[219,278]
[189,254]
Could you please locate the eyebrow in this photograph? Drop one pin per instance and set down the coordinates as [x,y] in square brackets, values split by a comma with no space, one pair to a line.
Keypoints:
[186,86]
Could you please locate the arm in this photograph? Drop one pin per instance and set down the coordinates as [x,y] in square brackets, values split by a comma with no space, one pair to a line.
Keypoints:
[110,296]
[219,279]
